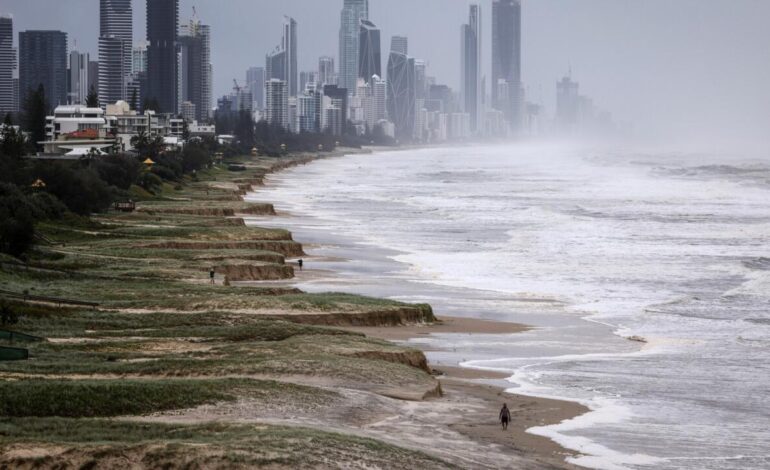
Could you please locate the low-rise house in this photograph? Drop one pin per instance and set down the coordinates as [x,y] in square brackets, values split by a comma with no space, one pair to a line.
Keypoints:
[77,130]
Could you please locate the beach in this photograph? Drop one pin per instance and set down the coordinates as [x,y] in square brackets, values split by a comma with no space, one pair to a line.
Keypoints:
[464,386]
[179,339]
[637,273]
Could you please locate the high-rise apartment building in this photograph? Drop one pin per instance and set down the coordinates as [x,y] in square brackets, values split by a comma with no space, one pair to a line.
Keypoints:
[379,99]
[78,77]
[335,109]
[7,66]
[115,50]
[255,81]
[401,94]
[15,106]
[113,84]
[567,103]
[326,73]
[506,60]
[43,61]
[420,79]
[307,78]
[277,103]
[370,56]
[275,65]
[194,68]
[162,28]
[309,110]
[139,58]
[470,74]
[399,44]
[281,64]
[353,12]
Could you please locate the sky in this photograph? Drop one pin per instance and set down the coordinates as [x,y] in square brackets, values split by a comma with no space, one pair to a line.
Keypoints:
[686,68]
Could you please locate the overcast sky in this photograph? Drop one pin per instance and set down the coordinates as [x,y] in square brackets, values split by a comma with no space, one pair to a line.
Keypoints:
[686,67]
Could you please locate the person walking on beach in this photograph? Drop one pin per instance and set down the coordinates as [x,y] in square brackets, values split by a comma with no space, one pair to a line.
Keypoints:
[505,416]
[300,263]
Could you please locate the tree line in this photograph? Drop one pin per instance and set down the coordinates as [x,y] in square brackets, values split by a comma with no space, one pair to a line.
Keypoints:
[34,191]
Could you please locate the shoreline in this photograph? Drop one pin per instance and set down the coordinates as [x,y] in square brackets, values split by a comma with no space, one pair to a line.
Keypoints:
[464,383]
[194,305]
[461,384]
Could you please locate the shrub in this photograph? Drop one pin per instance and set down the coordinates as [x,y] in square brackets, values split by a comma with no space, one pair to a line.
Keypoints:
[150,182]
[8,315]
[120,171]
[194,158]
[80,189]
[17,227]
[46,206]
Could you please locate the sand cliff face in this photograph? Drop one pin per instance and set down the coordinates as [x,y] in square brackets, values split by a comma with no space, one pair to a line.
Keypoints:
[282,247]
[245,272]
[251,209]
[392,317]
[414,359]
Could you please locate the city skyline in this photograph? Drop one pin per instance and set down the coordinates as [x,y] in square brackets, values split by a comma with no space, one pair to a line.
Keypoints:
[607,44]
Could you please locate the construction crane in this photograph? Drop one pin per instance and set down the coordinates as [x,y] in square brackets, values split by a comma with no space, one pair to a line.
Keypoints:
[236,87]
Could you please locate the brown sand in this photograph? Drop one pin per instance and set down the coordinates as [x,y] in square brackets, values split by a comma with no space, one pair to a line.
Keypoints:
[480,423]
[444,325]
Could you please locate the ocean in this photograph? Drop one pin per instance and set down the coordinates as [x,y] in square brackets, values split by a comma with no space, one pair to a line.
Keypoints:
[645,274]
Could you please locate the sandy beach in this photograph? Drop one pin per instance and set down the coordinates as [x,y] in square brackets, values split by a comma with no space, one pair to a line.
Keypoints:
[471,398]
[463,385]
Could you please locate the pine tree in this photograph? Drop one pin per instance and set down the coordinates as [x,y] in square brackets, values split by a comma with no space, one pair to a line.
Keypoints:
[134,100]
[92,100]
[35,108]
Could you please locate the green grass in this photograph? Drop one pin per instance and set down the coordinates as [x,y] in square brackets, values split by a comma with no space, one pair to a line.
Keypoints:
[333,356]
[104,398]
[208,445]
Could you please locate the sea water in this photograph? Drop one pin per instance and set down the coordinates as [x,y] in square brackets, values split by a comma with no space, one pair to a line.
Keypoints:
[645,274]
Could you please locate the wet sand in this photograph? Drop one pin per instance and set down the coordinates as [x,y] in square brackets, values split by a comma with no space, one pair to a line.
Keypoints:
[481,424]
[445,325]
[486,390]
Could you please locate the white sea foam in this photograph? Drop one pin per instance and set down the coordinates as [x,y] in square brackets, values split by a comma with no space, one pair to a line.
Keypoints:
[641,245]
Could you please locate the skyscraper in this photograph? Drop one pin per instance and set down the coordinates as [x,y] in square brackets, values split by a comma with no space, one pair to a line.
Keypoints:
[306,78]
[7,65]
[370,57]
[162,26]
[43,61]
[290,44]
[195,68]
[326,73]
[567,103]
[401,94]
[255,81]
[78,77]
[115,49]
[506,60]
[139,56]
[277,103]
[420,79]
[399,44]
[93,76]
[112,77]
[336,112]
[275,65]
[471,67]
[281,64]
[353,11]
[309,110]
